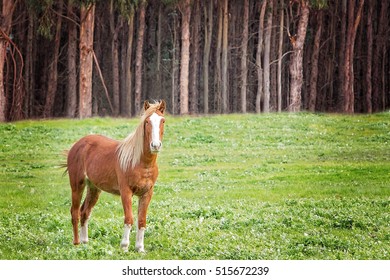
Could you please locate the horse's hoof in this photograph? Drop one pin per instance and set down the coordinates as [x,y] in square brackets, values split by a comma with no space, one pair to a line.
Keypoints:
[140,250]
[125,247]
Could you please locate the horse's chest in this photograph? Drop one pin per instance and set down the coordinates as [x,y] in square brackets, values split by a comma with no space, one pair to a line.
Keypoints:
[143,180]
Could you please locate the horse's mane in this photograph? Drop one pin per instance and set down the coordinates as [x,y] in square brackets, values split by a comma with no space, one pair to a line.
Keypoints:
[131,148]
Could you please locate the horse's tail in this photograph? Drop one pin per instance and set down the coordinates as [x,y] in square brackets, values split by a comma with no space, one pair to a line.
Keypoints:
[64,165]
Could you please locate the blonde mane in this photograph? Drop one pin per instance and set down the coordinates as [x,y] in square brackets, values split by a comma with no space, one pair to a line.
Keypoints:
[131,148]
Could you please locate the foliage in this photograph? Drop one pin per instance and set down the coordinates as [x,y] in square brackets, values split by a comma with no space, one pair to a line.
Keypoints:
[319,4]
[127,7]
[287,186]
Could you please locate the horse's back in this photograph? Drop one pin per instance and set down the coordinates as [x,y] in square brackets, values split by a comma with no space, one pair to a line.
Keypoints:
[94,157]
[90,144]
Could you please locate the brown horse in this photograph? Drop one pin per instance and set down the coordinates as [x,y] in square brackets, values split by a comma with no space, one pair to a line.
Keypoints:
[124,168]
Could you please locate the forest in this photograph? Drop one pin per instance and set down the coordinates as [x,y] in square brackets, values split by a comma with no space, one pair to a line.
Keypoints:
[83,58]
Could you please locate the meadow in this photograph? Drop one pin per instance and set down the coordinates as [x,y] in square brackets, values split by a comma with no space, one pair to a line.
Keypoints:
[271,186]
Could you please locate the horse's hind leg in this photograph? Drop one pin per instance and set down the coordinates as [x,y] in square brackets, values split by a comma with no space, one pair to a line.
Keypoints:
[77,193]
[86,209]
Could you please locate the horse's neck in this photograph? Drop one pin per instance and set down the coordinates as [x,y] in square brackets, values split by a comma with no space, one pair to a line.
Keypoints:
[147,159]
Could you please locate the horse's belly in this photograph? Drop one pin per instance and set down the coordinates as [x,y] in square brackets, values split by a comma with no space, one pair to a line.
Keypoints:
[109,189]
[105,183]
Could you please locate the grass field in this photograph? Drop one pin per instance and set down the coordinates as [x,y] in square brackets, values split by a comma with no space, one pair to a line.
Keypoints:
[277,186]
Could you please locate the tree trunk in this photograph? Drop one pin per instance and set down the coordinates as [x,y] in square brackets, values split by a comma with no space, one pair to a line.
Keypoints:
[128,70]
[114,27]
[233,74]
[6,16]
[314,64]
[158,60]
[195,59]
[218,70]
[296,60]
[379,44]
[267,55]
[122,48]
[328,97]
[370,40]
[353,23]
[208,26]
[139,57]
[174,65]
[225,50]
[71,104]
[185,56]
[244,54]
[29,64]
[87,16]
[343,31]
[53,74]
[258,58]
[280,56]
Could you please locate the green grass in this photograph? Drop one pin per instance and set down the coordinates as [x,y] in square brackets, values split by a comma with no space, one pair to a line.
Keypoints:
[276,186]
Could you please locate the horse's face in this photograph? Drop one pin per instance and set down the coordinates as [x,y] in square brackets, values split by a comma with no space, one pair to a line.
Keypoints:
[154,130]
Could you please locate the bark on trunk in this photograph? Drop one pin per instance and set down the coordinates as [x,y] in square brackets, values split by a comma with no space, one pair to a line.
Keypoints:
[139,57]
[342,53]
[53,75]
[353,23]
[370,40]
[185,56]
[71,104]
[244,54]
[114,27]
[218,70]
[174,66]
[225,81]
[208,24]
[296,61]
[7,12]
[159,39]
[194,93]
[29,64]
[129,74]
[267,54]
[87,16]
[258,58]
[280,56]
[378,58]
[314,64]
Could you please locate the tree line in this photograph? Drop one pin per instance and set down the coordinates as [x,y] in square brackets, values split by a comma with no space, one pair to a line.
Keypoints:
[80,58]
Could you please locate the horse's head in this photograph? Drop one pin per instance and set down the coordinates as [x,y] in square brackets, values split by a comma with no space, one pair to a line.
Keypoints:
[154,126]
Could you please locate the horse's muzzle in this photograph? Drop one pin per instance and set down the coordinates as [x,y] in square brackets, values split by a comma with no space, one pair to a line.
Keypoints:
[155,147]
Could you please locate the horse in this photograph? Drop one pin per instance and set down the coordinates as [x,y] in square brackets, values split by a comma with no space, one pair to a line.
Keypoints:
[124,168]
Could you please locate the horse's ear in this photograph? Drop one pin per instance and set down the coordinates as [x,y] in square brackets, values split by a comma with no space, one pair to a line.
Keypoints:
[162,106]
[146,105]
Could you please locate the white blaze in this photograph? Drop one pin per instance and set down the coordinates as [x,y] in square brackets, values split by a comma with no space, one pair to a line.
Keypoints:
[155,121]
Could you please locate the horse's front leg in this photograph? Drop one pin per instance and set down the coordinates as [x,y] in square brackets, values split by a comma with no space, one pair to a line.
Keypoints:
[126,196]
[142,211]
